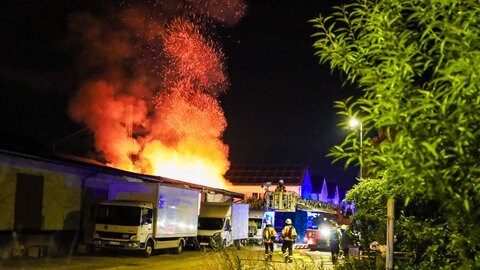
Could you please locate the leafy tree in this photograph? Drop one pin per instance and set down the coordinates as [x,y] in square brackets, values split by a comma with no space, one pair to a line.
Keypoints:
[370,197]
[417,63]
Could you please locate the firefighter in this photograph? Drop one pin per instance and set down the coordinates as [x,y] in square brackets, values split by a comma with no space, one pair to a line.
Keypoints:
[335,236]
[269,235]
[289,236]
[346,240]
[280,187]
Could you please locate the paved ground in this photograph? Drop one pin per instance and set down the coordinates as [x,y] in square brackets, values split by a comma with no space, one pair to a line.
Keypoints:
[247,258]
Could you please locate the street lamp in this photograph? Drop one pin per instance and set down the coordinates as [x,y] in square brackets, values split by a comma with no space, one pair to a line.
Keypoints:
[355,123]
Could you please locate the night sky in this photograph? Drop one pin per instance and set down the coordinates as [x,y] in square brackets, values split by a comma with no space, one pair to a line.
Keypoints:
[279,106]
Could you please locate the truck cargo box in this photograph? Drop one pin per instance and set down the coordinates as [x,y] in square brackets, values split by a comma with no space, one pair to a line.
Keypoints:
[240,221]
[175,208]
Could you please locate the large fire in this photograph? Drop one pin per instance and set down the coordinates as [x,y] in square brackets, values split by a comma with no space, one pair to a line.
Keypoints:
[152,79]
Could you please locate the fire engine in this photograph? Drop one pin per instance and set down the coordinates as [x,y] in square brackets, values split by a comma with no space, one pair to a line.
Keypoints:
[312,219]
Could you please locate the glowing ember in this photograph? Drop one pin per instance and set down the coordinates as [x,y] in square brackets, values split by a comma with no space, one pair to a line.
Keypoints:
[193,57]
[151,100]
[227,12]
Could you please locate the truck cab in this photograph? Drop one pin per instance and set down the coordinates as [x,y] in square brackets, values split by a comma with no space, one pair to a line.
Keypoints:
[319,238]
[221,225]
[214,225]
[123,224]
[256,224]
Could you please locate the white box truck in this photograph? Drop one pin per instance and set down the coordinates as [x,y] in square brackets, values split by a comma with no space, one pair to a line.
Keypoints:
[221,225]
[146,216]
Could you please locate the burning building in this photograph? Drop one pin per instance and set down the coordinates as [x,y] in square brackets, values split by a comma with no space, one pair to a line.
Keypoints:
[152,75]
[46,201]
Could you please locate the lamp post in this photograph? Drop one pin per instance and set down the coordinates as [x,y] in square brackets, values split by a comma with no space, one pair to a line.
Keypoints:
[355,123]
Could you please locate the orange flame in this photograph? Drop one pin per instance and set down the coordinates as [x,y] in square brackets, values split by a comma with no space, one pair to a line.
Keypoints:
[153,103]
[172,163]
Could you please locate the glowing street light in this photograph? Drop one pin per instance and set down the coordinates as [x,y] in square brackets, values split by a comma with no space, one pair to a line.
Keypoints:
[355,123]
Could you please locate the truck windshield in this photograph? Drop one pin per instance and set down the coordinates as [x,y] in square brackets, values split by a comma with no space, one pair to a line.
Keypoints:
[256,222]
[118,215]
[210,223]
[254,226]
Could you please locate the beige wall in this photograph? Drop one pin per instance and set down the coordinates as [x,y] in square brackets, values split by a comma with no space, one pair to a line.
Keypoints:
[7,197]
[61,201]
[61,193]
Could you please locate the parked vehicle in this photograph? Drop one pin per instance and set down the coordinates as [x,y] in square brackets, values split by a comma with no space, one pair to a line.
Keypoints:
[319,238]
[147,216]
[256,224]
[221,225]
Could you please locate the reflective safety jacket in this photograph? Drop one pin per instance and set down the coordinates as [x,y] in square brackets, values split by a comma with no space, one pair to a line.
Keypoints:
[269,235]
[289,233]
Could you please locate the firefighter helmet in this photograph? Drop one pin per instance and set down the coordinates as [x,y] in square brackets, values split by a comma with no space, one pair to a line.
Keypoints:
[288,221]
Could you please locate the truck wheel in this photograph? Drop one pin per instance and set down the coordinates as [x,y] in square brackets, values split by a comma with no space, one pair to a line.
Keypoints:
[213,244]
[238,244]
[148,249]
[223,245]
[179,248]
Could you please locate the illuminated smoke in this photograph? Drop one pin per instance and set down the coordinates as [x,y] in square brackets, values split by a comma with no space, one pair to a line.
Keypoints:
[227,12]
[105,111]
[150,91]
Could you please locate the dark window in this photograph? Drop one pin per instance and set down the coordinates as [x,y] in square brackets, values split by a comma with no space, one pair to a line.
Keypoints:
[118,215]
[210,223]
[28,202]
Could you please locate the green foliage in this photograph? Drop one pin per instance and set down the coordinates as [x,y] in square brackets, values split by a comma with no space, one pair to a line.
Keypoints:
[370,197]
[254,203]
[417,63]
[356,263]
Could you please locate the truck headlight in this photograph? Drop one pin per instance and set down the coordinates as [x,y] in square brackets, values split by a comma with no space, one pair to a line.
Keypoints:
[325,232]
[134,244]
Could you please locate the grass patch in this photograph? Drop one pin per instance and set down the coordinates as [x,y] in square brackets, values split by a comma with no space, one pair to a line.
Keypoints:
[232,259]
